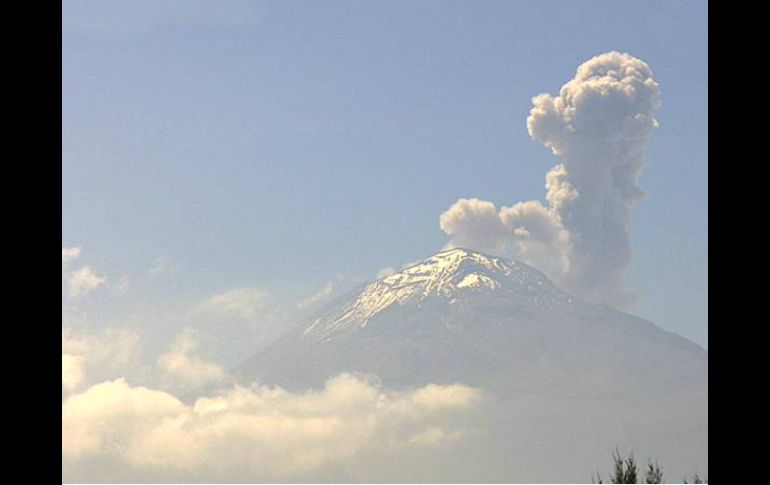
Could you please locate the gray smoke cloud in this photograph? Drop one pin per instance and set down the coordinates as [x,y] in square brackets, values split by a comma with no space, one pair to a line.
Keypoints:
[599,125]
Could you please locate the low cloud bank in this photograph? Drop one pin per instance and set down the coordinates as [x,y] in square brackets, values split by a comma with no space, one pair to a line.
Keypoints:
[253,434]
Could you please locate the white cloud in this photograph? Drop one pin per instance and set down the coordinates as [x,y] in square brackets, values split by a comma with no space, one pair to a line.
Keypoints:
[112,353]
[256,434]
[83,281]
[72,372]
[321,295]
[68,254]
[116,430]
[600,124]
[183,368]
[246,303]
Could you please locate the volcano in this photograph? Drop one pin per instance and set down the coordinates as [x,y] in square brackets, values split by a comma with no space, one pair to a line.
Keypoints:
[566,381]
[464,316]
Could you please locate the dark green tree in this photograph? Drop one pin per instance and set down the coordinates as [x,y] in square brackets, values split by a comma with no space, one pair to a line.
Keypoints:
[630,475]
[653,474]
[626,471]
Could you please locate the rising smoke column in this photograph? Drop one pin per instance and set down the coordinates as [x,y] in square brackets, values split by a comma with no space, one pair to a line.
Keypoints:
[599,125]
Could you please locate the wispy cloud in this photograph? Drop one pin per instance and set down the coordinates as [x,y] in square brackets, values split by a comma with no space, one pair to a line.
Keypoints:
[322,295]
[122,286]
[162,267]
[247,302]
[386,272]
[184,368]
[68,254]
[83,281]
[109,353]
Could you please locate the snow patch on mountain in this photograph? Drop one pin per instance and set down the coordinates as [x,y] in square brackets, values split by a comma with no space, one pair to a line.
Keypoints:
[475,280]
[451,274]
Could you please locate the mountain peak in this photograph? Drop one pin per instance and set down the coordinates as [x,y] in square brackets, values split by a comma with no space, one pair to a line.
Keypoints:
[454,275]
[458,252]
[464,316]
[449,268]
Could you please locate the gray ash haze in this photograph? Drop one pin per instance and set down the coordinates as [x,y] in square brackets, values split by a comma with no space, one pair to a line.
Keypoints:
[599,126]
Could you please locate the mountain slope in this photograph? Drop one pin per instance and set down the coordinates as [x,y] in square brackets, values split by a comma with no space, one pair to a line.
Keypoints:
[463,316]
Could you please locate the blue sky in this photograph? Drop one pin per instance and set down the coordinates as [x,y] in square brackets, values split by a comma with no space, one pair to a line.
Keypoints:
[285,145]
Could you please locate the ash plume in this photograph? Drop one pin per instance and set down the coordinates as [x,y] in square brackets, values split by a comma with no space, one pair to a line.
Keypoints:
[599,125]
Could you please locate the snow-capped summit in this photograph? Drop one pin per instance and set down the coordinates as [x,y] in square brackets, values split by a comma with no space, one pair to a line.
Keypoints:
[453,269]
[454,275]
[464,316]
